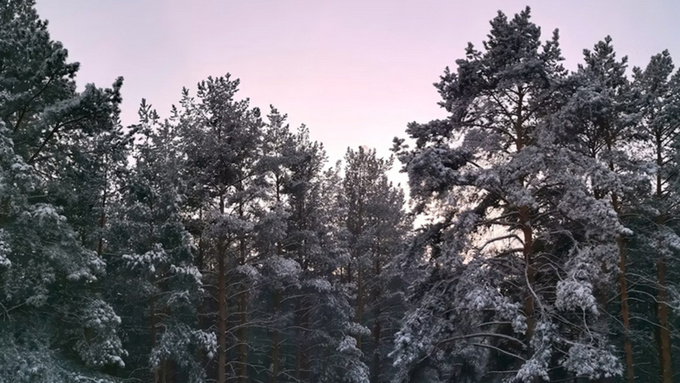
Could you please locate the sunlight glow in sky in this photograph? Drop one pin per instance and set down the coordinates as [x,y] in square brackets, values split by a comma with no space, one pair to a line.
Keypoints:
[355,71]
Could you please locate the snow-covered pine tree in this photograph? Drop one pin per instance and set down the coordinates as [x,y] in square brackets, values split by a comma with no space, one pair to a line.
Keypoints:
[657,241]
[294,163]
[314,326]
[376,228]
[55,322]
[601,120]
[96,158]
[151,267]
[516,245]
[312,243]
[221,141]
[327,309]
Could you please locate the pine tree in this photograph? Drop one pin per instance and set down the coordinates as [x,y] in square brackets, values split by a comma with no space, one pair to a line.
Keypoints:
[294,163]
[221,139]
[602,117]
[56,326]
[314,313]
[660,124]
[328,311]
[516,247]
[154,260]
[376,227]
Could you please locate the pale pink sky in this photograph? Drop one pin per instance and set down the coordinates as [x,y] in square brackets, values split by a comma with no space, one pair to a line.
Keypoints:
[355,71]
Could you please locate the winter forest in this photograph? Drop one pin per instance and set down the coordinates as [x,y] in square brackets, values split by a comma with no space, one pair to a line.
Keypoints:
[537,241]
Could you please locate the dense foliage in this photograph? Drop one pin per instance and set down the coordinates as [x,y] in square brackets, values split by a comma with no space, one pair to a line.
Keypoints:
[550,195]
[219,245]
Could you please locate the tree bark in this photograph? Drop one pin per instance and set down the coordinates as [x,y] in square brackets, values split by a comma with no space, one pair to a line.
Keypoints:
[525,223]
[221,308]
[164,372]
[377,328]
[222,321]
[243,319]
[529,303]
[664,338]
[300,352]
[152,310]
[277,305]
[664,323]
[360,303]
[625,311]
[102,213]
[243,335]
[276,338]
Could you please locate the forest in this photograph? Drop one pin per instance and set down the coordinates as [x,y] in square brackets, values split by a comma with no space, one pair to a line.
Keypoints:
[539,240]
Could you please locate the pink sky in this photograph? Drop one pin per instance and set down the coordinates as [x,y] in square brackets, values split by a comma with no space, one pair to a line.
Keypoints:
[355,71]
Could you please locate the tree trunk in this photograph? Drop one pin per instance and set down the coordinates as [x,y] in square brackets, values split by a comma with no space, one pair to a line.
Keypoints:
[221,308]
[525,223]
[243,335]
[102,214]
[277,305]
[376,353]
[360,302]
[625,311]
[222,321]
[377,327]
[298,346]
[243,307]
[529,303]
[664,338]
[164,372]
[200,254]
[664,323]
[300,352]
[276,338]
[152,309]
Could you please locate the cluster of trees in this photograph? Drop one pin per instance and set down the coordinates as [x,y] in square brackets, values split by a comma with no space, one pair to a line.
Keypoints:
[214,245]
[218,244]
[551,253]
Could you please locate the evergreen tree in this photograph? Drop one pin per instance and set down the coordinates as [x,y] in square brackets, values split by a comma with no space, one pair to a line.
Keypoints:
[517,246]
[656,235]
[327,309]
[221,141]
[56,326]
[153,270]
[293,163]
[601,118]
[376,228]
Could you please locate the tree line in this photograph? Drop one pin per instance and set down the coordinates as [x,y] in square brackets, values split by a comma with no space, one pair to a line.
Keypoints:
[218,244]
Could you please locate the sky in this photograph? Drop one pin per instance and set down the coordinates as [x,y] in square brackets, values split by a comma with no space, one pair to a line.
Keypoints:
[354,71]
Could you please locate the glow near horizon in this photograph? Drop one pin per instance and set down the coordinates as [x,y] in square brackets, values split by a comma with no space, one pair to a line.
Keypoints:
[355,72]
